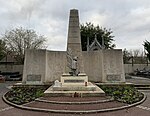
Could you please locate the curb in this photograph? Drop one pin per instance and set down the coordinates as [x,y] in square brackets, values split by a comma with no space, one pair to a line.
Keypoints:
[89,102]
[72,111]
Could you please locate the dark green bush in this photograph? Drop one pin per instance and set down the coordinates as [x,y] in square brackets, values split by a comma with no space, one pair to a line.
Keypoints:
[21,95]
[125,94]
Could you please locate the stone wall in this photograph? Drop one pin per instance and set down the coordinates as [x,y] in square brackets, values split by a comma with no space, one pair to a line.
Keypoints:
[100,66]
[93,65]
[11,68]
[128,68]
[55,65]
[104,65]
[50,65]
[113,66]
[34,64]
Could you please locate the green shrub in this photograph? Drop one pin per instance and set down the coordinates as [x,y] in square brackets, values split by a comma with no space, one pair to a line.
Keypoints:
[21,95]
[125,94]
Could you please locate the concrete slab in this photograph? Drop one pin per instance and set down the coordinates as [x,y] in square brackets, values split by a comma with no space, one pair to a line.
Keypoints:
[78,87]
[91,90]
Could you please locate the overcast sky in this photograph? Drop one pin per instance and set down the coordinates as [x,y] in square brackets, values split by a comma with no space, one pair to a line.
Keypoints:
[128,19]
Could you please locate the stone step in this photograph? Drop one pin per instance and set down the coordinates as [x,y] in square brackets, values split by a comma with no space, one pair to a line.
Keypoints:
[141,85]
[143,88]
[75,100]
[75,107]
[72,93]
[90,90]
[75,88]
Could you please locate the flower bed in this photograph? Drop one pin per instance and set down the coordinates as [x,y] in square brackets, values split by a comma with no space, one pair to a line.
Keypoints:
[21,95]
[125,94]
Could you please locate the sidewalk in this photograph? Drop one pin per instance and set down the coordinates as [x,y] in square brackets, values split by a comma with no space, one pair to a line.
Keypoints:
[139,80]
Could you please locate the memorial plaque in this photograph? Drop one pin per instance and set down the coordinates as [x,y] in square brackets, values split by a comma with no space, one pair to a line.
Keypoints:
[73,81]
[113,77]
[33,77]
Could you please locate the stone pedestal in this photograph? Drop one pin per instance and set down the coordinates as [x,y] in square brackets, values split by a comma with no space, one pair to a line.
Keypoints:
[71,85]
[68,80]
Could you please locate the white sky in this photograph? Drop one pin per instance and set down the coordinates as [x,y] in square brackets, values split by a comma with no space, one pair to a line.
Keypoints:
[128,19]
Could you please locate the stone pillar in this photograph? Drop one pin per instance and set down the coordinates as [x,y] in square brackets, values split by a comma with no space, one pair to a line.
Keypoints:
[74,38]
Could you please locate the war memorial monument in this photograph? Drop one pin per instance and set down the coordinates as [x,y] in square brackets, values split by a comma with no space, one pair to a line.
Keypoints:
[74,69]
[74,82]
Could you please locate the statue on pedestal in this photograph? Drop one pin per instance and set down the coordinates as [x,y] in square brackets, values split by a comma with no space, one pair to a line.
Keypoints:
[72,63]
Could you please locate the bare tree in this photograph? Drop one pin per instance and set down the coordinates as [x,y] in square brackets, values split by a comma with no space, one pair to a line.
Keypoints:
[3,49]
[126,55]
[136,52]
[133,55]
[19,39]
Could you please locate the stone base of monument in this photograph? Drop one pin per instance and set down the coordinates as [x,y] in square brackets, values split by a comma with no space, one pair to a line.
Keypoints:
[74,86]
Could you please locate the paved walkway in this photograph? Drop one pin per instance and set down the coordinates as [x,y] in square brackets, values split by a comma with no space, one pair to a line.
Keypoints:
[135,111]
[6,110]
[138,80]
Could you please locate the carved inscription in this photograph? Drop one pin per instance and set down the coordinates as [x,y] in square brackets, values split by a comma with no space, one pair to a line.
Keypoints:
[113,77]
[73,81]
[33,77]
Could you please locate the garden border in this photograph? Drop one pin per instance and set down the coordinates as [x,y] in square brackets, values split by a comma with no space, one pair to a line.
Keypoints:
[73,111]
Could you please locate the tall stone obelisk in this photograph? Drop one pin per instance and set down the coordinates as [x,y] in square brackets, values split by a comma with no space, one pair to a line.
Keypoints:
[74,38]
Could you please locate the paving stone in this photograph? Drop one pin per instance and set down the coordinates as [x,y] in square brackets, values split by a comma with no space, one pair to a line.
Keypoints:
[76,107]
